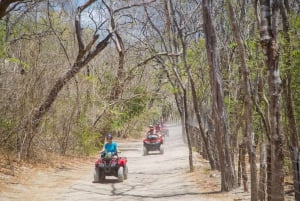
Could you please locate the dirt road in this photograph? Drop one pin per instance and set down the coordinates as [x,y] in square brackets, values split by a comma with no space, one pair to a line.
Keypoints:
[151,177]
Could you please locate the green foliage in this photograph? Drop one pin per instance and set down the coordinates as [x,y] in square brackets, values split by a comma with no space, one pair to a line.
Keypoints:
[166,109]
[171,89]
[130,109]
[154,115]
[2,42]
[89,78]
[5,124]
[25,65]
[137,105]
[86,138]
[291,62]
[232,45]
[199,70]
[6,127]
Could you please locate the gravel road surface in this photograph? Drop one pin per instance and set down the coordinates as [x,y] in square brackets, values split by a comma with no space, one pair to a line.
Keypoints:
[151,177]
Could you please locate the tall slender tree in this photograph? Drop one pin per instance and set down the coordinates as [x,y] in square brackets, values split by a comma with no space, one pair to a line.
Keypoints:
[268,25]
[228,177]
[247,101]
[288,97]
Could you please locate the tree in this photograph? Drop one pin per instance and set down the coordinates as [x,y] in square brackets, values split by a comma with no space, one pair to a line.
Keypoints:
[7,6]
[228,179]
[86,52]
[288,97]
[84,55]
[247,101]
[268,38]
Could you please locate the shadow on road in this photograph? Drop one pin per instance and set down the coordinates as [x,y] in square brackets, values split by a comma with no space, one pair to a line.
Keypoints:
[108,181]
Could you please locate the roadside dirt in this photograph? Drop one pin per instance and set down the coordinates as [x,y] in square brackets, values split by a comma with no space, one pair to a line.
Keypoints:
[161,177]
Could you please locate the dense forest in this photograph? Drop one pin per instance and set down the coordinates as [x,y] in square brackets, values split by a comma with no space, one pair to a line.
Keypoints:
[73,70]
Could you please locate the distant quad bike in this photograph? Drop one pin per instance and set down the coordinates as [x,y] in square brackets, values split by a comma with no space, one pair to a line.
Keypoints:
[110,165]
[153,142]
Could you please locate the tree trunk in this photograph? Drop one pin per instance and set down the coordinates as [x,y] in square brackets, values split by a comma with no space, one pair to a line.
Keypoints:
[228,179]
[248,102]
[243,169]
[195,100]
[179,103]
[269,173]
[211,136]
[6,6]
[239,176]
[211,159]
[118,86]
[287,94]
[186,118]
[295,157]
[262,173]
[268,38]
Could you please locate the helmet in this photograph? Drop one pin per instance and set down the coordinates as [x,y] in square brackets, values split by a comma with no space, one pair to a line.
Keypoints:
[150,126]
[109,136]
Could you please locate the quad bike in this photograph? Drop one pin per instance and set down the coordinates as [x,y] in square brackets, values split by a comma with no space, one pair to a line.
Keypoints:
[153,142]
[110,165]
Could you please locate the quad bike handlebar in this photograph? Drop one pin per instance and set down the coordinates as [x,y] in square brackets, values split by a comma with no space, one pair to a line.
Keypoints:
[105,154]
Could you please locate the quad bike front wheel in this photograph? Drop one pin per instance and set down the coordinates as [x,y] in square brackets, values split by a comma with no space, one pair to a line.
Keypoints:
[96,175]
[161,149]
[125,172]
[99,175]
[145,151]
[121,174]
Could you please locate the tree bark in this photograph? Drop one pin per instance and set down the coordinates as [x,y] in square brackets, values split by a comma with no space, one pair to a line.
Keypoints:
[117,87]
[6,6]
[247,101]
[268,39]
[287,94]
[243,169]
[262,173]
[208,150]
[228,179]
[186,126]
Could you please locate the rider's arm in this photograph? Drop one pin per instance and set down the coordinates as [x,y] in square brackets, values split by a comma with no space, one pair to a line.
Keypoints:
[103,149]
[117,148]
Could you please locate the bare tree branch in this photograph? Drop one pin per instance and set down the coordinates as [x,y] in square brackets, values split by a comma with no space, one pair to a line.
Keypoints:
[134,5]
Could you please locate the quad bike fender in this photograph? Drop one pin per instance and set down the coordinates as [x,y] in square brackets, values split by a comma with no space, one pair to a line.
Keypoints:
[98,161]
[122,161]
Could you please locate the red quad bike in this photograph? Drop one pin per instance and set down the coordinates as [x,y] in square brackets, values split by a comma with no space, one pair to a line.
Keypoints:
[109,165]
[153,142]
